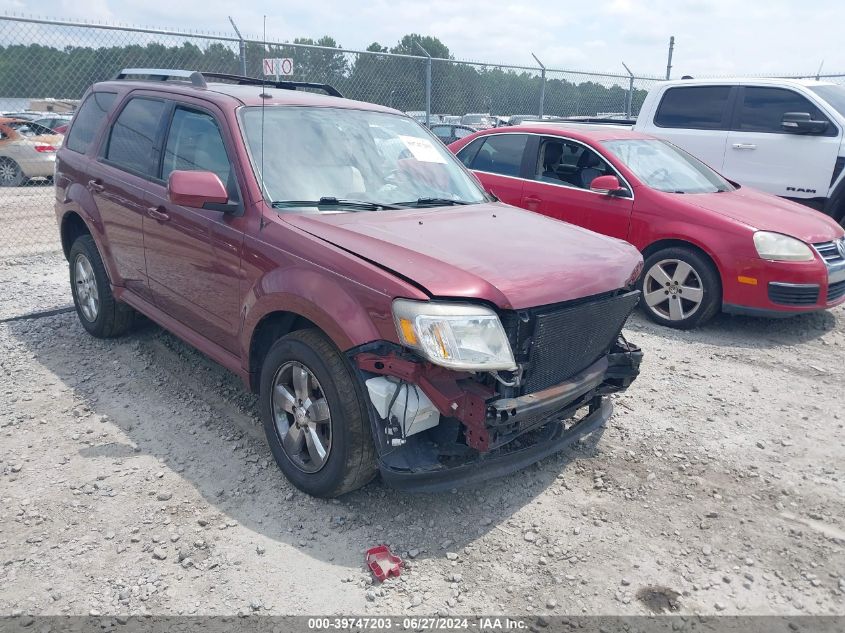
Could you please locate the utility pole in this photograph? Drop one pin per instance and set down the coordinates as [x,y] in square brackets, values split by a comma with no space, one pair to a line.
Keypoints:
[427,84]
[669,63]
[542,83]
[242,46]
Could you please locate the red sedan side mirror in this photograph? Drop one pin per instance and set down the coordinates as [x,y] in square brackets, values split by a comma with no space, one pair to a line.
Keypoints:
[609,185]
[195,189]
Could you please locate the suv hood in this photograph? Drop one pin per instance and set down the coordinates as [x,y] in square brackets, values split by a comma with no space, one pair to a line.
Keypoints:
[494,252]
[765,212]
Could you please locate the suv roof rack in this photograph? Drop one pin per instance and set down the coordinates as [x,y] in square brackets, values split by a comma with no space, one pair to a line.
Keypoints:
[198,79]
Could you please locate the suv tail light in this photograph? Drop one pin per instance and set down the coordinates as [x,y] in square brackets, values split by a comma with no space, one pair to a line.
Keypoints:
[44,148]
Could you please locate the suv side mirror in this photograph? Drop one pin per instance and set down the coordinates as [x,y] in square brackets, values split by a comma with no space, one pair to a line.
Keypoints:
[802,123]
[196,189]
[608,185]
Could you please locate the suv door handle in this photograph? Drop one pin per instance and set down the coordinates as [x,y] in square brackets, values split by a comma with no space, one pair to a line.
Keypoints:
[155,213]
[744,146]
[532,201]
[96,185]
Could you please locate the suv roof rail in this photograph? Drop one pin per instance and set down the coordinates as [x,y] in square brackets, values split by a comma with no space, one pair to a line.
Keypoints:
[164,74]
[198,79]
[242,80]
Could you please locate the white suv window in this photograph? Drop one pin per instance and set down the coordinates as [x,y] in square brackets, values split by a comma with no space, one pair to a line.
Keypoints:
[694,107]
[762,109]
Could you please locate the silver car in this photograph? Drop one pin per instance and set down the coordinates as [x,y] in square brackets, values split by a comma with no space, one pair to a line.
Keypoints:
[27,150]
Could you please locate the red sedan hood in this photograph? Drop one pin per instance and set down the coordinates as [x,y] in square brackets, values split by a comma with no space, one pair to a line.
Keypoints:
[513,258]
[766,212]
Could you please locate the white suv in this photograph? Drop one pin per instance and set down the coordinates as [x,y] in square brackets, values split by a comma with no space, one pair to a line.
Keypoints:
[783,136]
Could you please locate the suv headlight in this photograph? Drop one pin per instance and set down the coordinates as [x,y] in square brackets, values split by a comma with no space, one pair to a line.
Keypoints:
[780,247]
[455,335]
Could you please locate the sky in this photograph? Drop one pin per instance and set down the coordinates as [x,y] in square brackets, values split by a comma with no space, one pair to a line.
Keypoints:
[712,37]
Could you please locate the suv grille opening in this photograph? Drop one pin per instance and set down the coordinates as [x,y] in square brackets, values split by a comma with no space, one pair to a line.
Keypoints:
[564,339]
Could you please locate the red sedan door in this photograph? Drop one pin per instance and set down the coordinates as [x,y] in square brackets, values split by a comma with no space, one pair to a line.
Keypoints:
[562,170]
[499,162]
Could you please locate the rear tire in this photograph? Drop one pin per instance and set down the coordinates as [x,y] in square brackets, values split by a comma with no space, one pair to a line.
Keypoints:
[345,459]
[11,175]
[99,312]
[681,288]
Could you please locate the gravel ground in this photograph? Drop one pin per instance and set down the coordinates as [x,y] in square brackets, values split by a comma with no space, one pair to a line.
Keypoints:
[27,220]
[134,478]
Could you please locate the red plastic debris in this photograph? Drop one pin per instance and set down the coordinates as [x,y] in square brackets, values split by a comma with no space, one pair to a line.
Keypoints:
[383,563]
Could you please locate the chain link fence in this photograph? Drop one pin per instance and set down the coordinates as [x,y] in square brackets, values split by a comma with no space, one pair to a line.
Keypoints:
[46,65]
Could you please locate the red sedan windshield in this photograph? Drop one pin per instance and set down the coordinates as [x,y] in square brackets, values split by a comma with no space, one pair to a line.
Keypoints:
[664,167]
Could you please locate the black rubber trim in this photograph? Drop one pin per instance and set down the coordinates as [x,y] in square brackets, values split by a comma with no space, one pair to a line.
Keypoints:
[496,466]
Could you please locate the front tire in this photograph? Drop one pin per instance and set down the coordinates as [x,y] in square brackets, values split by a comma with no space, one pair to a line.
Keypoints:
[313,415]
[99,312]
[681,288]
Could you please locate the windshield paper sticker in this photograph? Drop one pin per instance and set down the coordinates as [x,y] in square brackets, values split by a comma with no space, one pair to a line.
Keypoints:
[422,149]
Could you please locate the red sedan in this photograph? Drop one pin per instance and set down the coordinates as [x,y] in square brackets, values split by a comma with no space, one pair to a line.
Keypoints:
[708,244]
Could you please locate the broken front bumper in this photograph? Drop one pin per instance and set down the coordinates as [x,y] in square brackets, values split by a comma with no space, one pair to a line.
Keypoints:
[481,435]
[555,438]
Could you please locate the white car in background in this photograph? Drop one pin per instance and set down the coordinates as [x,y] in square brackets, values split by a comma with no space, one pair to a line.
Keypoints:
[27,150]
[782,136]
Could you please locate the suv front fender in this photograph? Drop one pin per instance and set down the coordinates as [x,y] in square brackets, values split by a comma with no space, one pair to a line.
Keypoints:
[350,315]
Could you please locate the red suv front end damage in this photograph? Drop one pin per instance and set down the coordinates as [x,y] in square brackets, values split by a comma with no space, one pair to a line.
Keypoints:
[441,427]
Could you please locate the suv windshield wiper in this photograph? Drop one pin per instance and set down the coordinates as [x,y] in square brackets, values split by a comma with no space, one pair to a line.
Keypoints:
[433,202]
[329,201]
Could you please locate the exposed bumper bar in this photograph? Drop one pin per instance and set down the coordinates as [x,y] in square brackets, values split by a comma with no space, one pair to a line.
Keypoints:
[554,398]
[493,465]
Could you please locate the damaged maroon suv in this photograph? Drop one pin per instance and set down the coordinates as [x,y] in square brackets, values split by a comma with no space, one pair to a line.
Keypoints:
[390,314]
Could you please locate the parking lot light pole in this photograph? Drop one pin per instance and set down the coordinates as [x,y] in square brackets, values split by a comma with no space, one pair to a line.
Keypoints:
[542,83]
[427,84]
[242,46]
[629,99]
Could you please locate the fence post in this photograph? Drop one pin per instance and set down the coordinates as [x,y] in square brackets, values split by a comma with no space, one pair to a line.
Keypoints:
[669,61]
[427,84]
[542,84]
[242,45]
[629,99]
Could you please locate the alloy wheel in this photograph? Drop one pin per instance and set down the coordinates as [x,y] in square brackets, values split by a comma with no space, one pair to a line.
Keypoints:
[85,282]
[672,289]
[8,173]
[302,417]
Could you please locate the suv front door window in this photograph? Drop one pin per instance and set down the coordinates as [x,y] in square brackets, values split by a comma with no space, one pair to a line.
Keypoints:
[760,153]
[193,255]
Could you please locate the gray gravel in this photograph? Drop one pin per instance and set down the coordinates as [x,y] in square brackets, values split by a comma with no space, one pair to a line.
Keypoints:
[134,478]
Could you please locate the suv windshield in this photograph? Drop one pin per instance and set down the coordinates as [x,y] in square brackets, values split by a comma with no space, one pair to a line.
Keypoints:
[834,95]
[351,158]
[665,167]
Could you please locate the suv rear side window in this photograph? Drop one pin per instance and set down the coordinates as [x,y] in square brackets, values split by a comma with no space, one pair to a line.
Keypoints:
[195,144]
[133,137]
[762,109]
[501,154]
[695,107]
[88,119]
